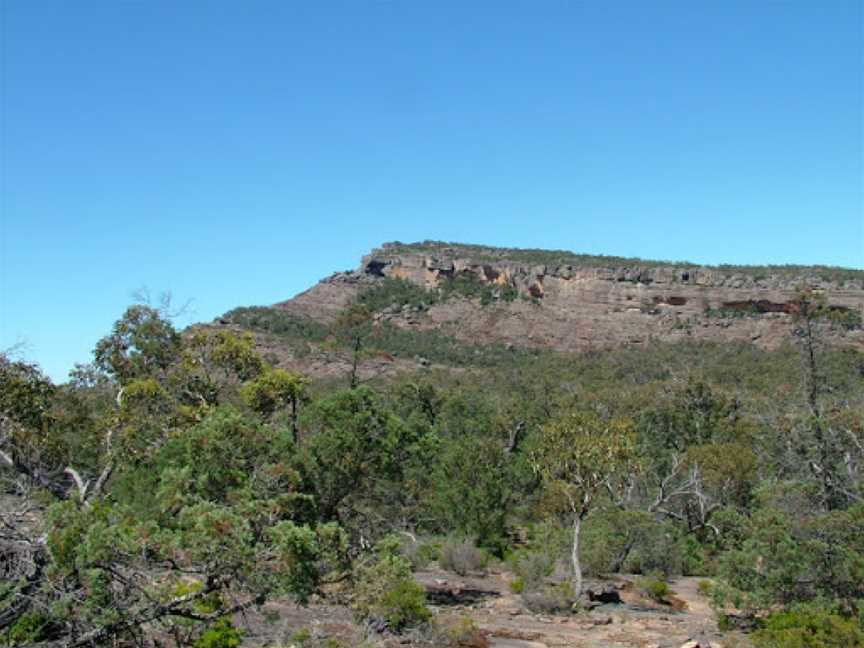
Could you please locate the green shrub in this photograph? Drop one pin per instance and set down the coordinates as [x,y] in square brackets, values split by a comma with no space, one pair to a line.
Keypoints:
[278,322]
[462,557]
[470,286]
[694,558]
[29,628]
[532,567]
[614,536]
[386,593]
[517,585]
[404,605]
[396,293]
[306,639]
[809,627]
[653,588]
[301,636]
[222,634]
[421,553]
[551,599]
[658,552]
[548,543]
[459,631]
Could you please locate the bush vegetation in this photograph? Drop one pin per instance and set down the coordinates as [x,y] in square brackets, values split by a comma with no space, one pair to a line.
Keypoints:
[462,557]
[181,477]
[809,627]
[654,588]
[387,596]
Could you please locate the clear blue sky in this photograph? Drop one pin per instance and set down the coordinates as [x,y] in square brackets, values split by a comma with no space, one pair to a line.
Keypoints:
[236,152]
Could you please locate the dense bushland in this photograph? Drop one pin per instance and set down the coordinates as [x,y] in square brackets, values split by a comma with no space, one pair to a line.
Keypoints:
[180,478]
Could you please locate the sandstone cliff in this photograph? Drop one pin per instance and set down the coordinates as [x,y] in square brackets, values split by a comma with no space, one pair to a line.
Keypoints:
[573,302]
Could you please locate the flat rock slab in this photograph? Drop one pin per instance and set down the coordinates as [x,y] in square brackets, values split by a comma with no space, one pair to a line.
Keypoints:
[503,642]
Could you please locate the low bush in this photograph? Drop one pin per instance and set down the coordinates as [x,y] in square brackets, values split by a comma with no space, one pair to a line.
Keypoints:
[222,634]
[421,552]
[462,557]
[532,567]
[459,632]
[388,596]
[658,552]
[394,294]
[809,627]
[654,588]
[551,599]
[305,639]
[29,628]
[517,585]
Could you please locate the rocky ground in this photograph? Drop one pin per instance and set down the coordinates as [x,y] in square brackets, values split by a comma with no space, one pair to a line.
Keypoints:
[504,622]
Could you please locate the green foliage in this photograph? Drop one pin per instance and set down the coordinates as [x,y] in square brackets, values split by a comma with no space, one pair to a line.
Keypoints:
[440,348]
[277,321]
[30,628]
[396,294]
[352,436]
[578,453]
[386,592]
[846,318]
[629,541]
[696,415]
[459,631]
[470,286]
[784,560]
[422,552]
[222,634]
[26,398]
[142,344]
[207,485]
[296,549]
[273,390]
[654,588]
[232,353]
[480,253]
[224,497]
[25,393]
[474,483]
[809,626]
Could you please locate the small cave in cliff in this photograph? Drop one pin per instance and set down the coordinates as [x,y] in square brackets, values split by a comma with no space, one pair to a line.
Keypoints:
[490,273]
[670,301]
[757,306]
[376,268]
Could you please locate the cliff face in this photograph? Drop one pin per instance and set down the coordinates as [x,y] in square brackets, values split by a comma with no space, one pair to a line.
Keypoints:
[572,303]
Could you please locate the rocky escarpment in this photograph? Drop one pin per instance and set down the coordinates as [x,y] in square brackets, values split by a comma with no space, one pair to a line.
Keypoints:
[574,302]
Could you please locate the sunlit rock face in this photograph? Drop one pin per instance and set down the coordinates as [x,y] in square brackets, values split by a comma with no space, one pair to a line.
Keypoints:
[569,302]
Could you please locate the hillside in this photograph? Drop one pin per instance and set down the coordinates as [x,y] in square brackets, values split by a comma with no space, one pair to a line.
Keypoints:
[455,304]
[452,447]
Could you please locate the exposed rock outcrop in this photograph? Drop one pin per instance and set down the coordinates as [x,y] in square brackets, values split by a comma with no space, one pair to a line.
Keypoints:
[572,303]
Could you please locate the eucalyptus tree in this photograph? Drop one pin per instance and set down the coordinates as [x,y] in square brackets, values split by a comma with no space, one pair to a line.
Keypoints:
[581,457]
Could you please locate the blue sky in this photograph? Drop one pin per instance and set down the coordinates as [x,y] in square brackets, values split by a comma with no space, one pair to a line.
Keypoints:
[233,153]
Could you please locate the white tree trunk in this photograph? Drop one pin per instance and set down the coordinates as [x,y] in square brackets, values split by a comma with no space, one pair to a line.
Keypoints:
[574,557]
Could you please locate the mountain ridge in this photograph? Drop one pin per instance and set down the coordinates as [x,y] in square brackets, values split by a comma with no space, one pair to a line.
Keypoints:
[442,303]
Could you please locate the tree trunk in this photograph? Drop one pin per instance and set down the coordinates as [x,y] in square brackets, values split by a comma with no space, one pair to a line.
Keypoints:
[355,361]
[574,557]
